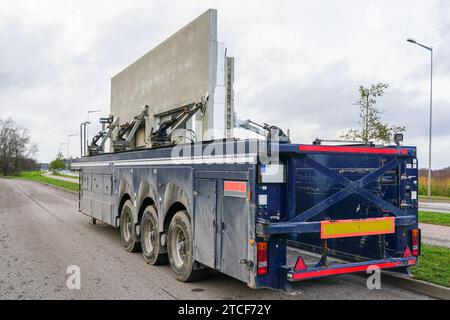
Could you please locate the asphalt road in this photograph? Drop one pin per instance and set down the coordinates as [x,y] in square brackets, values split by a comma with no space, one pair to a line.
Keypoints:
[435,206]
[42,233]
[435,235]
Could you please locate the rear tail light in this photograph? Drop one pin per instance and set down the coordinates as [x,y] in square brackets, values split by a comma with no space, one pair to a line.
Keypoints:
[263,258]
[415,242]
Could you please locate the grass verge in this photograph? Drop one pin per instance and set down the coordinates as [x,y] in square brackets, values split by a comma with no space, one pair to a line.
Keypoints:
[433,265]
[442,219]
[39,177]
[424,198]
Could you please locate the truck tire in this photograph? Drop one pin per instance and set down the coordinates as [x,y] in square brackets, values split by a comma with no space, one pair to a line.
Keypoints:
[152,250]
[180,246]
[127,229]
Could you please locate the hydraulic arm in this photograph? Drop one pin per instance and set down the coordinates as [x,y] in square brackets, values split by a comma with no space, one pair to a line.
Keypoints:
[164,134]
[268,131]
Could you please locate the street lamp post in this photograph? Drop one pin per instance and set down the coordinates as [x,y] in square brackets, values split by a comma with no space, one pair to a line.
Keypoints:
[60,148]
[68,148]
[61,144]
[431,111]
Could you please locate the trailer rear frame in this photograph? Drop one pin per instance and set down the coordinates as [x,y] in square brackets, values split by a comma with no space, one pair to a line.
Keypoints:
[235,233]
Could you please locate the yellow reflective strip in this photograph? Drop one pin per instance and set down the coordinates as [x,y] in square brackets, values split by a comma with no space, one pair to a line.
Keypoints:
[354,228]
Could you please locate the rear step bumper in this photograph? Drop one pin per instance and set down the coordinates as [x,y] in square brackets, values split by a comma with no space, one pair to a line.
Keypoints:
[318,272]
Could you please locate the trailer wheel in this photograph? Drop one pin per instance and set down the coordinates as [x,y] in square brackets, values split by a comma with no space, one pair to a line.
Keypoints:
[154,253]
[127,229]
[180,249]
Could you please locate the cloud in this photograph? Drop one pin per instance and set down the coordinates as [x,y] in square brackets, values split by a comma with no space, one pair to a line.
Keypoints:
[443,48]
[298,63]
[305,103]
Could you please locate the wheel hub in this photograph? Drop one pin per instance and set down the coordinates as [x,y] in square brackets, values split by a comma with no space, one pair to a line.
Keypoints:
[150,236]
[128,227]
[179,246]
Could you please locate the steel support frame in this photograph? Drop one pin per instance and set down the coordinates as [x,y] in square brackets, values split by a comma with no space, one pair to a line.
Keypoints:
[300,224]
[324,271]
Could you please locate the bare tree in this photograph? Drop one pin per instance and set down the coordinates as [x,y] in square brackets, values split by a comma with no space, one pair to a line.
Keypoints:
[373,129]
[15,147]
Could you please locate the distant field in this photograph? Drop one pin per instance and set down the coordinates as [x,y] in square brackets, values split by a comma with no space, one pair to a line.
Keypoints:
[434,198]
[38,176]
[440,187]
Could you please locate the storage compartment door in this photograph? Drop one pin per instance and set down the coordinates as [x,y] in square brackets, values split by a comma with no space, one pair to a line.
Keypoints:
[86,193]
[235,213]
[205,221]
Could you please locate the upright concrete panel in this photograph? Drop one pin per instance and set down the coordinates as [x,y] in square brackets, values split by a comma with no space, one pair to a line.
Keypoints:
[179,71]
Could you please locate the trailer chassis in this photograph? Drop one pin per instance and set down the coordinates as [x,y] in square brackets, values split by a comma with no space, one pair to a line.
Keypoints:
[298,223]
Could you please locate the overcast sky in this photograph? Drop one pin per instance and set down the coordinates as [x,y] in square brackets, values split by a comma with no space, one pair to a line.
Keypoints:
[298,63]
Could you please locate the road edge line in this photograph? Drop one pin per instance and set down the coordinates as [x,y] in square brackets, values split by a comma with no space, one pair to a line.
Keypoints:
[417,286]
[48,184]
[56,187]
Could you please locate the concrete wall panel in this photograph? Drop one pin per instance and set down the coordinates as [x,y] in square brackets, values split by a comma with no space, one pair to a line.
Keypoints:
[179,71]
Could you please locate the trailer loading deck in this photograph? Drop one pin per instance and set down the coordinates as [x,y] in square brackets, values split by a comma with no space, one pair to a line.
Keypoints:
[222,205]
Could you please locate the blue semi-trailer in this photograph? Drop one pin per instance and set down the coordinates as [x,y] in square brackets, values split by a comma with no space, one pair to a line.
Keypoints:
[227,206]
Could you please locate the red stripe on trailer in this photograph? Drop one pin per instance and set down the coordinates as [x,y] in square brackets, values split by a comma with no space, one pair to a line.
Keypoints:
[343,270]
[338,149]
[235,186]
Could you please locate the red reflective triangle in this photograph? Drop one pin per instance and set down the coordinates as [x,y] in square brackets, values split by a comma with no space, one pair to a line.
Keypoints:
[407,253]
[300,265]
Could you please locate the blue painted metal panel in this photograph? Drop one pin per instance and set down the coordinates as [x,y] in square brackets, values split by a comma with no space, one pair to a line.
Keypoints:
[339,186]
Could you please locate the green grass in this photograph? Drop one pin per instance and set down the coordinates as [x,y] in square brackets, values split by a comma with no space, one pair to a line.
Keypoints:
[442,219]
[38,176]
[433,265]
[434,198]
